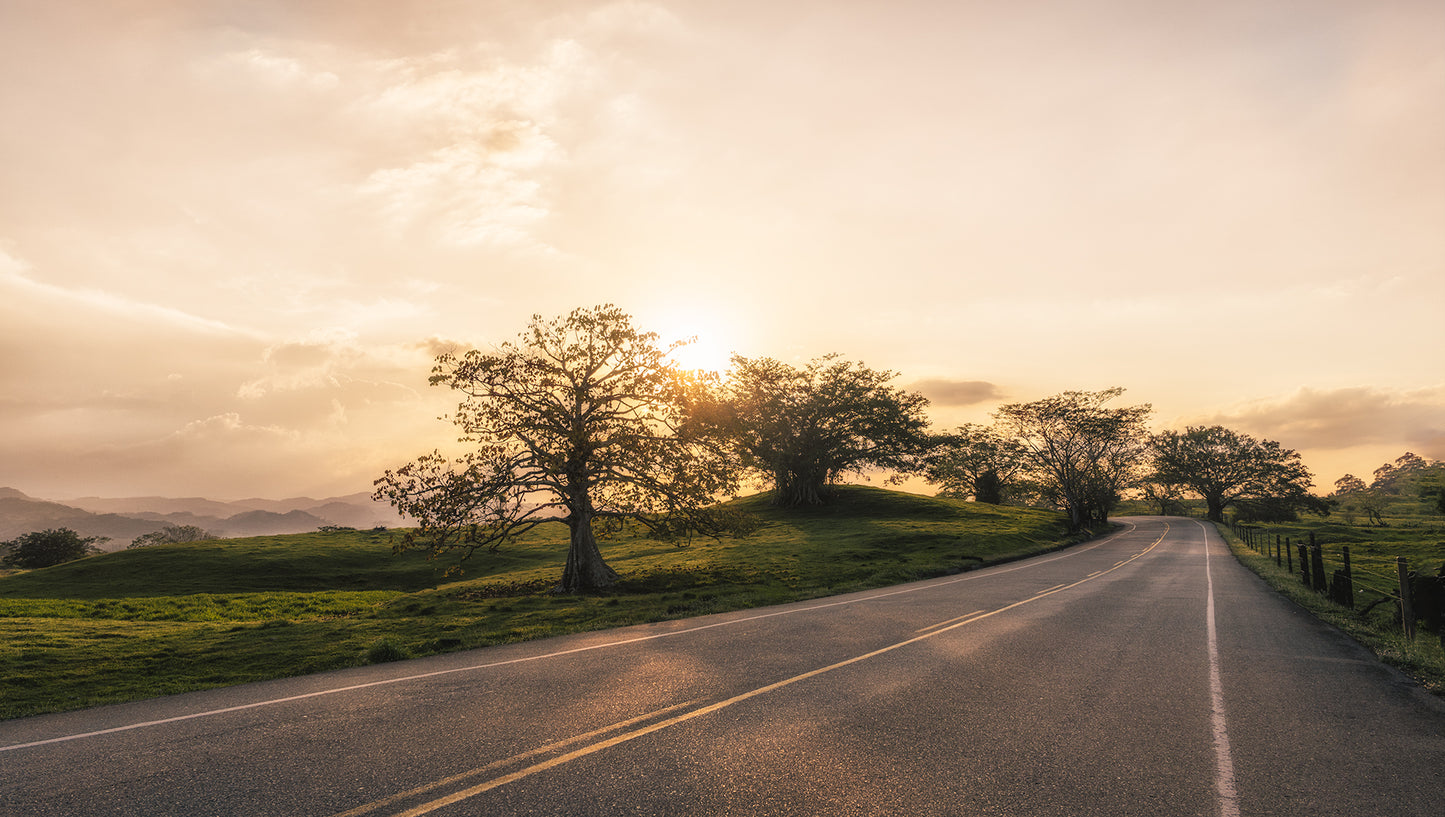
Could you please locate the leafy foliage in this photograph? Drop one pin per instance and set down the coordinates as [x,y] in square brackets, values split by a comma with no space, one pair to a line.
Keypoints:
[803,429]
[49,547]
[581,422]
[1411,483]
[975,462]
[1081,454]
[1266,481]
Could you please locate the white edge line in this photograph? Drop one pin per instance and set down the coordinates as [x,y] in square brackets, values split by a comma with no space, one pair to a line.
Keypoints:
[1224,782]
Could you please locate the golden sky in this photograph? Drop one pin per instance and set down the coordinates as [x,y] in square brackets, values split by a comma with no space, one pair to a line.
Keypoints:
[233,234]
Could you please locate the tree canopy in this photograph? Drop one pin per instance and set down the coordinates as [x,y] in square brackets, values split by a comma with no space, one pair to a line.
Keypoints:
[582,422]
[974,462]
[1227,467]
[802,429]
[49,547]
[1082,454]
[171,534]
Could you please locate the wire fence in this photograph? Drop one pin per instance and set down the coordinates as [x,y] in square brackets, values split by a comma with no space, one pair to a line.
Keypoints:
[1416,598]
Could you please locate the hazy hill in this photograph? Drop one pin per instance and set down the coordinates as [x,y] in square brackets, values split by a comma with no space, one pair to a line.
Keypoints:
[266,523]
[156,505]
[124,518]
[21,514]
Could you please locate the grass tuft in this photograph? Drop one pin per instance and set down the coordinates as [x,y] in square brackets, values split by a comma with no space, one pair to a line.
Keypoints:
[386,650]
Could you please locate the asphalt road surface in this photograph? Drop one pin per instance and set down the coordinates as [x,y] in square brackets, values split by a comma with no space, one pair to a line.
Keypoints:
[1146,673]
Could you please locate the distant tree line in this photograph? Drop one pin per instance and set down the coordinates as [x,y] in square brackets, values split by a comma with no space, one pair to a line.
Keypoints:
[1409,477]
[48,548]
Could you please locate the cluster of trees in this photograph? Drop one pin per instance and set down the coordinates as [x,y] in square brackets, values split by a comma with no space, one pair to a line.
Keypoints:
[1392,482]
[1072,451]
[586,422]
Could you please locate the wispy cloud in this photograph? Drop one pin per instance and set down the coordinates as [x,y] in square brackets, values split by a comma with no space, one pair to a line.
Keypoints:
[942,392]
[23,291]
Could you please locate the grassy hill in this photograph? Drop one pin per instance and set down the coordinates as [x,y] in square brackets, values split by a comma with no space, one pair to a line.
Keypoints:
[171,618]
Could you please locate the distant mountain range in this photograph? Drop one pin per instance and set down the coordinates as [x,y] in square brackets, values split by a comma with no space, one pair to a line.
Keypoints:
[122,520]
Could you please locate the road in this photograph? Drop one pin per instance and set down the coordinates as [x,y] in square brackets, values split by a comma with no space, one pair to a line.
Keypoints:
[1145,673]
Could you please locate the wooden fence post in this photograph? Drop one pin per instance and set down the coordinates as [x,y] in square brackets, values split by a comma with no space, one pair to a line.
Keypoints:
[1407,608]
[1276,550]
[1288,555]
[1317,568]
[1344,593]
[1304,565]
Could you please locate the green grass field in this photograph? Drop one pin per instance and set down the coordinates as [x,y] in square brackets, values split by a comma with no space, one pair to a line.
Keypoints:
[172,618]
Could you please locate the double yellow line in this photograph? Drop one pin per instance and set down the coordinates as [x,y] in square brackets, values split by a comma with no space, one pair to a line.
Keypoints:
[649,728]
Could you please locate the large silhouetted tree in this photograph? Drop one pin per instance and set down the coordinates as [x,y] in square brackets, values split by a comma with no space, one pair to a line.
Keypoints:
[1227,467]
[802,429]
[1081,453]
[582,422]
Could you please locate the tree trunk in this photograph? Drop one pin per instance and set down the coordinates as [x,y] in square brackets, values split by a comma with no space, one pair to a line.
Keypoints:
[585,570]
[1216,508]
[988,488]
[797,490]
[1076,517]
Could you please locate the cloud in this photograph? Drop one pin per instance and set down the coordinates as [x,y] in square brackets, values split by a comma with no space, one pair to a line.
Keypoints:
[279,71]
[101,393]
[50,299]
[1076,197]
[481,141]
[942,392]
[435,347]
[1347,418]
[328,378]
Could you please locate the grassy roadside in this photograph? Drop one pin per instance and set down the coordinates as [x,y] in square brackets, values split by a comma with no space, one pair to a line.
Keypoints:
[1422,659]
[167,619]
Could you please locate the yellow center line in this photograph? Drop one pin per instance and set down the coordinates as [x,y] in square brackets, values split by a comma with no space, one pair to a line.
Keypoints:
[1052,589]
[480,788]
[950,621]
[497,764]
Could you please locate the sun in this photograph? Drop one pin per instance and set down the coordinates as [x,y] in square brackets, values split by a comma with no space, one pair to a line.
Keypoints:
[702,354]
[708,348]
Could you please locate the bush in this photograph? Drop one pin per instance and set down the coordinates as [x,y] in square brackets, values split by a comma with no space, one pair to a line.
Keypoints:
[49,547]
